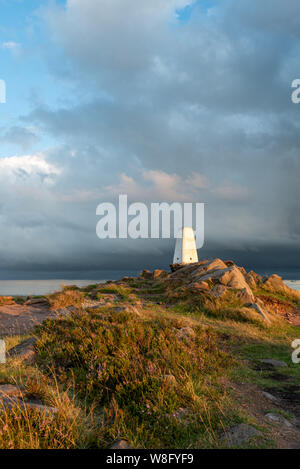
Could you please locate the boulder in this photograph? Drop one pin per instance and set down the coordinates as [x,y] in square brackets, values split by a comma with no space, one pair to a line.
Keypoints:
[127,279]
[219,291]
[185,333]
[25,350]
[8,403]
[10,390]
[246,296]
[251,280]
[273,363]
[175,267]
[183,271]
[274,283]
[270,397]
[37,302]
[279,419]
[243,271]
[208,268]
[221,273]
[257,278]
[199,286]
[232,277]
[260,311]
[7,300]
[160,274]
[239,434]
[120,444]
[227,276]
[146,274]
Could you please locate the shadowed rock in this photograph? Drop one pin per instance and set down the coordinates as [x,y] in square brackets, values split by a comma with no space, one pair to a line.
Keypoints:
[270,397]
[120,444]
[279,419]
[10,390]
[200,286]
[9,403]
[239,434]
[219,291]
[37,302]
[24,350]
[160,274]
[246,296]
[273,363]
[146,274]
[260,311]
[185,333]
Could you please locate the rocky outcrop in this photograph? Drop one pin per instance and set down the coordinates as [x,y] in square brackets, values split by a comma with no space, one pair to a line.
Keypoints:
[160,274]
[24,350]
[200,286]
[7,300]
[218,279]
[274,283]
[260,310]
[37,302]
[246,296]
[146,274]
[219,291]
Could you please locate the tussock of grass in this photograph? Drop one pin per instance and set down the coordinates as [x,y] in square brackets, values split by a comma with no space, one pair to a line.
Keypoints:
[281,296]
[6,300]
[68,297]
[24,428]
[219,310]
[124,366]
[121,291]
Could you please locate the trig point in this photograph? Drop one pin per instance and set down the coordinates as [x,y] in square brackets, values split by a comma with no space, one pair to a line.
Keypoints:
[185,249]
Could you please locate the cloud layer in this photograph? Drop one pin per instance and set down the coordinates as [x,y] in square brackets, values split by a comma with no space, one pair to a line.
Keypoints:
[162,108]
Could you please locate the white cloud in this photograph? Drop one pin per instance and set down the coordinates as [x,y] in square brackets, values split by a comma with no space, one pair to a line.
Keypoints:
[10,45]
[22,168]
[159,185]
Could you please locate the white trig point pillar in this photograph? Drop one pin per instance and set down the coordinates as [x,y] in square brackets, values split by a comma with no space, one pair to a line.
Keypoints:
[185,248]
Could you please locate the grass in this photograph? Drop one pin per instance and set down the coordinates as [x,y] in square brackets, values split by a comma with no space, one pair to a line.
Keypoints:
[124,367]
[71,427]
[122,292]
[68,297]
[281,296]
[129,374]
[6,300]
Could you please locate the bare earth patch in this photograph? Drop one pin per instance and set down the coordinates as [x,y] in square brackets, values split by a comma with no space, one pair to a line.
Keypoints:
[20,319]
[253,401]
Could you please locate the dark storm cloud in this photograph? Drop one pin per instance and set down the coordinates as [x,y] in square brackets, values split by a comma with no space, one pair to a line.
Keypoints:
[199,110]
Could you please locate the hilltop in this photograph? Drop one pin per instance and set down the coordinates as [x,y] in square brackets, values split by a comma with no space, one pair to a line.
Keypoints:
[197,357]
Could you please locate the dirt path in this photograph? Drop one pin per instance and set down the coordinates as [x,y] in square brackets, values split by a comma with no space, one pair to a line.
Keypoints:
[252,399]
[20,319]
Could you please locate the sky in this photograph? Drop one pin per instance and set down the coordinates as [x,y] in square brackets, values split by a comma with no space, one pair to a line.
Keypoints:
[168,100]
